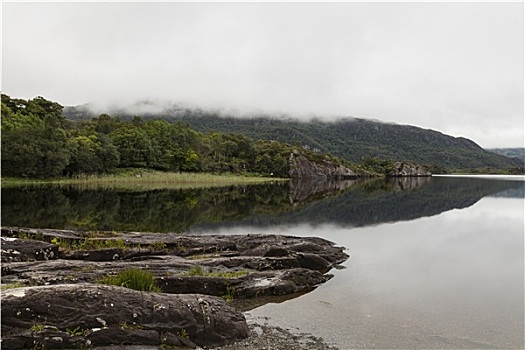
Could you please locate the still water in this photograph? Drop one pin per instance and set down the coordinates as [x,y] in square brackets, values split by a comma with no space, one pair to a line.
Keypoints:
[435,263]
[452,280]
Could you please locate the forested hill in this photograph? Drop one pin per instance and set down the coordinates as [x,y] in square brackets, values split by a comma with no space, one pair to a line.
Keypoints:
[38,142]
[518,153]
[350,138]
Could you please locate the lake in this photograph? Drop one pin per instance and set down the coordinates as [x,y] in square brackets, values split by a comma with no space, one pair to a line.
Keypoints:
[434,262]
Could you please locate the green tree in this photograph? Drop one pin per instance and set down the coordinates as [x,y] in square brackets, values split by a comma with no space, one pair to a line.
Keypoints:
[33,138]
[133,145]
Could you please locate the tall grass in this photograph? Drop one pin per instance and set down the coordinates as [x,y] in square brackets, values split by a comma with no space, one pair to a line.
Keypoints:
[145,178]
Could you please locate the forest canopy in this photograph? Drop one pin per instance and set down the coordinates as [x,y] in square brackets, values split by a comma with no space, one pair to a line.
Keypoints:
[38,142]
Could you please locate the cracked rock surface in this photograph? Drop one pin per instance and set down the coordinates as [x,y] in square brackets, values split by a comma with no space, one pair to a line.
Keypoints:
[56,302]
[85,315]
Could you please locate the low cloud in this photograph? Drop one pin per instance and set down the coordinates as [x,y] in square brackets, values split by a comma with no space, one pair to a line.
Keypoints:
[454,67]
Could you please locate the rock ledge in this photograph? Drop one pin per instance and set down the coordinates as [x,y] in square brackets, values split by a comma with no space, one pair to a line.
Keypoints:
[57,303]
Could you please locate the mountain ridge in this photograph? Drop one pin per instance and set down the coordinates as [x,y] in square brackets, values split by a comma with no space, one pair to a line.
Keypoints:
[354,139]
[511,152]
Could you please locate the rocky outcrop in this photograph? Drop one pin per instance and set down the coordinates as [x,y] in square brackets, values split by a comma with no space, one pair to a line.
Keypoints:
[301,167]
[305,262]
[259,284]
[400,169]
[85,316]
[63,306]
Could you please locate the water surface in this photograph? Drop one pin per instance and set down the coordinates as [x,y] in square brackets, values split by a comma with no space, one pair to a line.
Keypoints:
[448,274]
[453,281]
[435,262]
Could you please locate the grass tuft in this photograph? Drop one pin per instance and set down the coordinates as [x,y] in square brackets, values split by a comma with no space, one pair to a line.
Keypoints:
[131,278]
[11,286]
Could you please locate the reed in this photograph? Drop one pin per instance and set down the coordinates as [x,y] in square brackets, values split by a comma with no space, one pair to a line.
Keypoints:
[144,178]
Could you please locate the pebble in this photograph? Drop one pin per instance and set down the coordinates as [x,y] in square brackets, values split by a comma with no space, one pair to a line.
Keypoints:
[264,337]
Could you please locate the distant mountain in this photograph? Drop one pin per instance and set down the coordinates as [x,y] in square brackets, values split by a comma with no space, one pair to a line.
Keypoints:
[518,153]
[353,139]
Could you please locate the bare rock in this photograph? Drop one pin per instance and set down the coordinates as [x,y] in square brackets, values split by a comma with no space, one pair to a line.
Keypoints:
[301,167]
[260,257]
[84,315]
[16,249]
[258,284]
[400,169]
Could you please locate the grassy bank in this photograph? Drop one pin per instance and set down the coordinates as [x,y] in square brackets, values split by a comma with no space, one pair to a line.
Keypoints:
[144,178]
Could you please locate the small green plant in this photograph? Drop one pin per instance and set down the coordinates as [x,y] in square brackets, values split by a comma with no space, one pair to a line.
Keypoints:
[11,286]
[37,328]
[76,331]
[24,235]
[90,243]
[164,339]
[194,271]
[228,296]
[183,334]
[125,325]
[65,244]
[180,246]
[230,274]
[39,236]
[157,246]
[38,346]
[95,243]
[136,279]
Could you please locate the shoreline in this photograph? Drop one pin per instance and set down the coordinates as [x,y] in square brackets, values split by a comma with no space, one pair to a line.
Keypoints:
[263,337]
[198,276]
[147,178]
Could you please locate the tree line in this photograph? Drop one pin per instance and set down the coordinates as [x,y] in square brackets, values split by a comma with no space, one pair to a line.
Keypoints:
[353,139]
[38,142]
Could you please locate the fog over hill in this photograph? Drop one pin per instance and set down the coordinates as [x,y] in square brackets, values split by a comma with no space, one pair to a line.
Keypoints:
[456,67]
[354,139]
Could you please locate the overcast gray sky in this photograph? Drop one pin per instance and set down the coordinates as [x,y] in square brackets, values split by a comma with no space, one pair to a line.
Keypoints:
[452,67]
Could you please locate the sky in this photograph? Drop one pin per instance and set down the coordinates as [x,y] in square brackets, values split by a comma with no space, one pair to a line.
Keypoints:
[455,67]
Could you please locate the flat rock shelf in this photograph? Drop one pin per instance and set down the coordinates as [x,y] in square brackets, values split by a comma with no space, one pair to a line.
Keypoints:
[53,298]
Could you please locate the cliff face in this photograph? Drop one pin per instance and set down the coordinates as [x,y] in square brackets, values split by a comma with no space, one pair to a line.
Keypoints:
[302,168]
[408,169]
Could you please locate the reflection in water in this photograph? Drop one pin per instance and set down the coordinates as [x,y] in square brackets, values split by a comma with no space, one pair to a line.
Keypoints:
[157,210]
[421,275]
[451,281]
[409,183]
[302,190]
[379,201]
[345,203]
